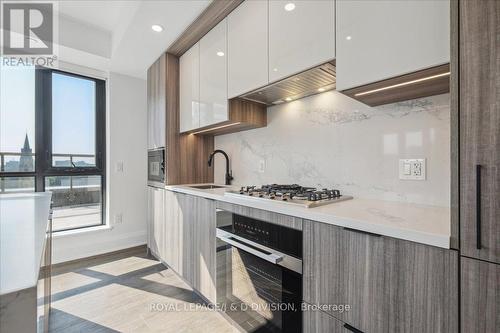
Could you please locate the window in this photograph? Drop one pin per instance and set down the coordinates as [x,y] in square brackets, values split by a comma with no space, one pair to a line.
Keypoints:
[73,108]
[17,129]
[53,139]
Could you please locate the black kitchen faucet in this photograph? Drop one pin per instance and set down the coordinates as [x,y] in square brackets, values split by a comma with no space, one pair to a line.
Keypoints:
[229,174]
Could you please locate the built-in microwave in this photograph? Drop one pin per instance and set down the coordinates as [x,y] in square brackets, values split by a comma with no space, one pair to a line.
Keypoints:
[156,167]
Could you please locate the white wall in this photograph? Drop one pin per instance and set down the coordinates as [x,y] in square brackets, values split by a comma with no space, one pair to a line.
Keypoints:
[126,192]
[331,140]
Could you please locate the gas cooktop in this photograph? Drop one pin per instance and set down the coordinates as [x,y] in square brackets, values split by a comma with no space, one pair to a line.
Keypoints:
[291,194]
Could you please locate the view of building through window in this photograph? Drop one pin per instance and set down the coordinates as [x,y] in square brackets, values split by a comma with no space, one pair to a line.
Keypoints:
[71,125]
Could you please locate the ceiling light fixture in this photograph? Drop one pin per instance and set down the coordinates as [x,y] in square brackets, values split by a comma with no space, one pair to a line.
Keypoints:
[157,28]
[289,6]
[288,99]
[402,84]
[348,38]
[220,54]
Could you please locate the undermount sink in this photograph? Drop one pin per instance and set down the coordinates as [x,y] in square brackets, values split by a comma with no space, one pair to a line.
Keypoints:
[206,187]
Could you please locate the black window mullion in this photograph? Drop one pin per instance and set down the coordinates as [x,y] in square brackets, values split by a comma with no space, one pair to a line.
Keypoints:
[43,132]
[100,125]
[43,108]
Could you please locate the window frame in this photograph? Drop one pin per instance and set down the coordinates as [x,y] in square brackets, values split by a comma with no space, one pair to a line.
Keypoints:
[43,138]
[43,107]
[43,112]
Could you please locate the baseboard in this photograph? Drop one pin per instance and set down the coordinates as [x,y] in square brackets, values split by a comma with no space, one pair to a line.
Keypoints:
[84,246]
[141,250]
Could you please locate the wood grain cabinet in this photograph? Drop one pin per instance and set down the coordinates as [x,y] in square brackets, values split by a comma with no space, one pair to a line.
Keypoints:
[173,232]
[480,287]
[155,221]
[213,76]
[198,243]
[479,94]
[301,35]
[247,45]
[189,86]
[190,240]
[390,285]
[156,85]
[480,129]
[316,321]
[377,40]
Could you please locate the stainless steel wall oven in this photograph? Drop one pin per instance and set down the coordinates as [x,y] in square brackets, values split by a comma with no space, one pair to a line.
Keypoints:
[259,273]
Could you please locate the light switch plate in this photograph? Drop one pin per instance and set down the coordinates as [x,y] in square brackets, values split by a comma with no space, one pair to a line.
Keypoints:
[412,169]
[119,166]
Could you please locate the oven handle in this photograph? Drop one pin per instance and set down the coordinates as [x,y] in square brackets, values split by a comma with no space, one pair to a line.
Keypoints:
[271,257]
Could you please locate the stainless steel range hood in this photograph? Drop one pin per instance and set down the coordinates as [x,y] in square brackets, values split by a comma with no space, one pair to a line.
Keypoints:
[310,82]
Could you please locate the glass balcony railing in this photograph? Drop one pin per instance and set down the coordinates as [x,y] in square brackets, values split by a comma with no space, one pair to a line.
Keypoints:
[17,162]
[25,162]
[76,199]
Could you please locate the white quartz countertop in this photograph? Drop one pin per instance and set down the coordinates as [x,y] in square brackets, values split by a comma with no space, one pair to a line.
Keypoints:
[23,225]
[418,223]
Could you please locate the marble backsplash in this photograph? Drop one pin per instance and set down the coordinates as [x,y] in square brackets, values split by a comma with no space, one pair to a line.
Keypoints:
[330,140]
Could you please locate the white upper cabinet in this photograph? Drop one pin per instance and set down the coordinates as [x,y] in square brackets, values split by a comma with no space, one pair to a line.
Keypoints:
[247,43]
[213,76]
[301,35]
[377,40]
[189,103]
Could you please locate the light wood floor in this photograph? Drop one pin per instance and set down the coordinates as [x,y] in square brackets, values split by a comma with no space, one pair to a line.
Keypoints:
[116,294]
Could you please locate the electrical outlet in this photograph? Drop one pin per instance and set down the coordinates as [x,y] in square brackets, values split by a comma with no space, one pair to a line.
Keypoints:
[118,218]
[262,166]
[412,169]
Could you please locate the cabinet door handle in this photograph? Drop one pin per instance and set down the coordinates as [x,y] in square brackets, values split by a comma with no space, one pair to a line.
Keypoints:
[478,206]
[352,329]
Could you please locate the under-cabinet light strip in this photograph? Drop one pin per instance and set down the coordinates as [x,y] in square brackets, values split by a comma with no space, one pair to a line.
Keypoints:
[402,84]
[215,128]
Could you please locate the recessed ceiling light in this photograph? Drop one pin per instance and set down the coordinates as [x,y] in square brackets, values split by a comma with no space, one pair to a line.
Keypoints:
[289,6]
[348,38]
[220,54]
[157,28]
[288,99]
[321,89]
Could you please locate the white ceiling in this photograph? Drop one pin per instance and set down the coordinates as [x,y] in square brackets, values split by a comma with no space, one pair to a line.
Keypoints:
[134,46]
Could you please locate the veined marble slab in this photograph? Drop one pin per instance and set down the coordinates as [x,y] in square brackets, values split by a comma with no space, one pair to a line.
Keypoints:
[333,141]
[414,222]
[23,225]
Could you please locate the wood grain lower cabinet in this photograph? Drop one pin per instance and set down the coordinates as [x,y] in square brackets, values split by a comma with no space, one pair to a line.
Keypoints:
[315,321]
[390,285]
[190,240]
[155,222]
[172,232]
[480,296]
